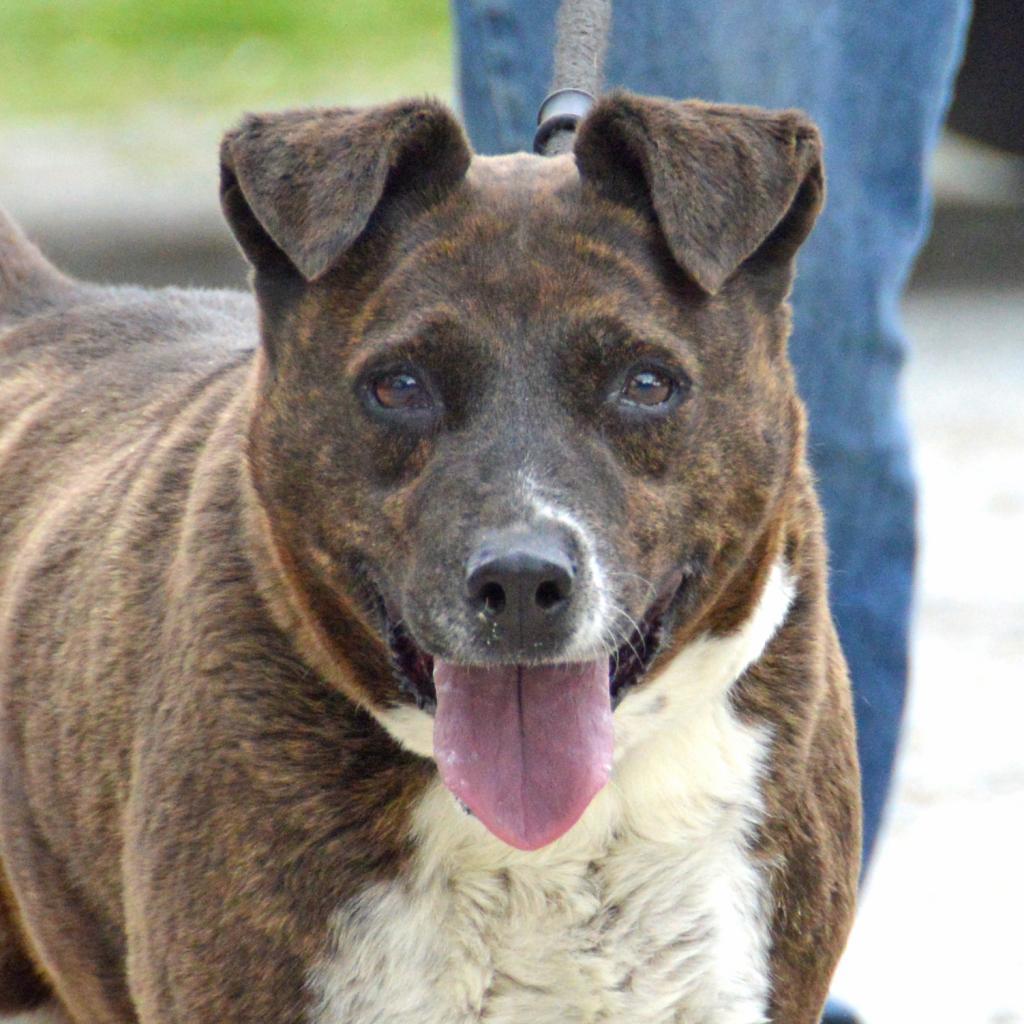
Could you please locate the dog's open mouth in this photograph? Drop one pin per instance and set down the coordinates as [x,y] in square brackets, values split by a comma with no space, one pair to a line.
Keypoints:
[626,666]
[524,747]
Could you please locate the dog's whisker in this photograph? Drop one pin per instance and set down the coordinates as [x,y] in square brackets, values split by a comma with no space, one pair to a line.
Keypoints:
[649,587]
[627,639]
[634,625]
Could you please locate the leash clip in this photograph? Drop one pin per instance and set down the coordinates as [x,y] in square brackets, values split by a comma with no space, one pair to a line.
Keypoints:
[561,110]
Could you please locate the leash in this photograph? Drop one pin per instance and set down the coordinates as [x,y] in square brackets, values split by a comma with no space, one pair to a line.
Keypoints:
[581,41]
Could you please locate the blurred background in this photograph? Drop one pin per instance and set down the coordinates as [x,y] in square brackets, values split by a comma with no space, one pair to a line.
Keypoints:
[110,115]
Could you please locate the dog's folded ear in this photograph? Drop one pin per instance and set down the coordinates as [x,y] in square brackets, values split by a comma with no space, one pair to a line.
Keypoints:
[725,183]
[302,185]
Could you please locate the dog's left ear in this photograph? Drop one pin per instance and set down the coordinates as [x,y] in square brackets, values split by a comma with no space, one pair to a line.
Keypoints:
[726,183]
[299,187]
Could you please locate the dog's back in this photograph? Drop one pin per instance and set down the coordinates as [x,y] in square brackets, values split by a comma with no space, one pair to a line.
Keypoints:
[92,377]
[108,399]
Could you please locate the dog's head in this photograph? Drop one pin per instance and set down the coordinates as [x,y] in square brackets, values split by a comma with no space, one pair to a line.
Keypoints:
[521,422]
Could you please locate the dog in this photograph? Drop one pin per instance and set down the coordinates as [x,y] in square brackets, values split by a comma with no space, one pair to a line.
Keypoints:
[443,636]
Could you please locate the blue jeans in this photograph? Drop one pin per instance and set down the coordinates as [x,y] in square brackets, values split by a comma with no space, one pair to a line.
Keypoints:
[876,76]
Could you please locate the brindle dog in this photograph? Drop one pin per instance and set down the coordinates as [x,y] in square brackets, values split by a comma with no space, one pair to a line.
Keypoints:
[443,638]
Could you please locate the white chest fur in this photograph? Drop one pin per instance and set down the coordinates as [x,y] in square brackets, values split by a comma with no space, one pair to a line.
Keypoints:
[649,911]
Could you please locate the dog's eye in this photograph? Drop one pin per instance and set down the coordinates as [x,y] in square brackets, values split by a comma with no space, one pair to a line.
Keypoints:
[648,387]
[400,391]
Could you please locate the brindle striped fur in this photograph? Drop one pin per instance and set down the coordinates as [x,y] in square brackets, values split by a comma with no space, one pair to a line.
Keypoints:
[196,520]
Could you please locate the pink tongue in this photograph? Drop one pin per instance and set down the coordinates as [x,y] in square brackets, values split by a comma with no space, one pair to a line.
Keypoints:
[526,749]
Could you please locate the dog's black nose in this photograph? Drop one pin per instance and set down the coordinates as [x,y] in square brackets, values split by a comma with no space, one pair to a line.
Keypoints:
[522,580]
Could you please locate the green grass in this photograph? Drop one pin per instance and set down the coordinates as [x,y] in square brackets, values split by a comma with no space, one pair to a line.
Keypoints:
[110,57]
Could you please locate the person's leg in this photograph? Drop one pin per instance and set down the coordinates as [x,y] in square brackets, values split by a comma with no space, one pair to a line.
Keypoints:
[876,77]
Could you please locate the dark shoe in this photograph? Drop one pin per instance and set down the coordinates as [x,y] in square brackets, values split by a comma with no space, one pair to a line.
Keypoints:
[839,1013]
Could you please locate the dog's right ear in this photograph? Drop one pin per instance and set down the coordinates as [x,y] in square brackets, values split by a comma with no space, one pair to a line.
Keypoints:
[299,187]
